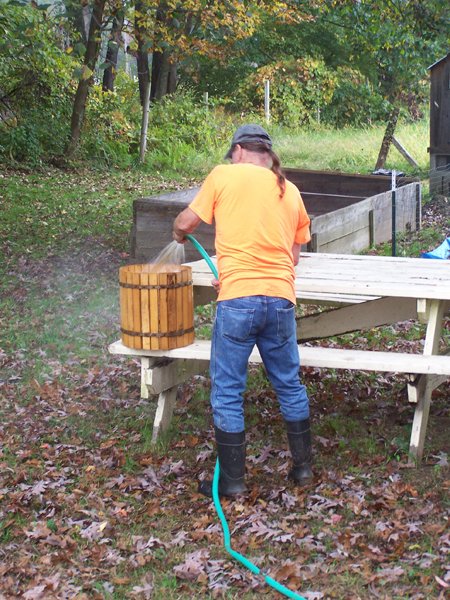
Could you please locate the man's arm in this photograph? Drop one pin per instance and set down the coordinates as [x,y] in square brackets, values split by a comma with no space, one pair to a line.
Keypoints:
[186,222]
[296,252]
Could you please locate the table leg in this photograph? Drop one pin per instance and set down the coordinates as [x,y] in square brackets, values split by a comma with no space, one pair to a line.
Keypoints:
[146,366]
[164,412]
[166,398]
[161,377]
[420,392]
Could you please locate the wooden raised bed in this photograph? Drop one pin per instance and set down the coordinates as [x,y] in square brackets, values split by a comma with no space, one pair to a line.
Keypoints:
[348,212]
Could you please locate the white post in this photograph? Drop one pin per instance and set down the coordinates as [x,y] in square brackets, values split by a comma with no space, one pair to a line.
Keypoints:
[205,99]
[144,123]
[393,179]
[267,99]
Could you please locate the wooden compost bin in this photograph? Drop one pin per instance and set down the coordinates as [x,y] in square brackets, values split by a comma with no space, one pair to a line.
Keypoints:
[348,212]
[156,306]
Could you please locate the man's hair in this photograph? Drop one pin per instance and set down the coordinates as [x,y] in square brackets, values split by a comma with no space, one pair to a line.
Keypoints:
[262,148]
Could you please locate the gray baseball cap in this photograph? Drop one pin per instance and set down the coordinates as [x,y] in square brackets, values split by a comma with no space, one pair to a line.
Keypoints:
[249,133]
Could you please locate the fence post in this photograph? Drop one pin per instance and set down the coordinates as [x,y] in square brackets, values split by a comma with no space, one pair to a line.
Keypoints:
[394,212]
[267,100]
[418,208]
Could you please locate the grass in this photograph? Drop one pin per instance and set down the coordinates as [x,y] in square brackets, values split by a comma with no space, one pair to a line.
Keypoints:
[413,245]
[353,150]
[51,208]
[76,436]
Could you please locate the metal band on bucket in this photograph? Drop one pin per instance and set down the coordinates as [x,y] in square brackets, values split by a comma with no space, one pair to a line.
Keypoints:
[157,335]
[170,286]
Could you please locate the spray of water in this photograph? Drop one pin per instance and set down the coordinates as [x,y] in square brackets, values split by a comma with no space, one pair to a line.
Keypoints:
[169,259]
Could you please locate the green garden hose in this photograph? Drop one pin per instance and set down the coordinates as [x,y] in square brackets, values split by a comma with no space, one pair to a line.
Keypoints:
[215,487]
[205,255]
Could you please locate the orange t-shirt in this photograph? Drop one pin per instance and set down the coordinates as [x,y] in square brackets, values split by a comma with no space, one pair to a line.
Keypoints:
[255,229]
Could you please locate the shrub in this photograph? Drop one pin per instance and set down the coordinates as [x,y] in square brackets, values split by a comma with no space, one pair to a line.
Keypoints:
[112,123]
[354,101]
[182,118]
[35,84]
[298,88]
[183,133]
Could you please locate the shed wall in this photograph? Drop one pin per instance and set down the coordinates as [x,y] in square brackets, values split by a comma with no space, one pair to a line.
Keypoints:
[440,127]
[440,107]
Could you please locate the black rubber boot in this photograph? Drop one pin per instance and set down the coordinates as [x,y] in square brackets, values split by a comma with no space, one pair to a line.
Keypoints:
[231,454]
[299,437]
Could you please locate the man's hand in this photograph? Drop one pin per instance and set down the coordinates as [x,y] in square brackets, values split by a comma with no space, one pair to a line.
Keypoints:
[216,284]
[186,222]
[179,237]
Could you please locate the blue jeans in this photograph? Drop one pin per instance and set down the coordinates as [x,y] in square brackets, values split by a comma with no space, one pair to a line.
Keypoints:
[240,324]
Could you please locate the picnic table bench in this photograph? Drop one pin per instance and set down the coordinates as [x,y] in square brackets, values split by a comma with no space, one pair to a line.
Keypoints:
[358,292]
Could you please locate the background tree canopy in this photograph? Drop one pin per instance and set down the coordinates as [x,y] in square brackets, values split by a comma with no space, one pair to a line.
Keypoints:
[73,75]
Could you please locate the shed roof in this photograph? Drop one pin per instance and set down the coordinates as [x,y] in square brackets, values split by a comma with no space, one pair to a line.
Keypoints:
[439,61]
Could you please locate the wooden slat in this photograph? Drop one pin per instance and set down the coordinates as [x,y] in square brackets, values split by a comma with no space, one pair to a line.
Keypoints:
[124,320]
[145,311]
[163,317]
[136,295]
[129,301]
[179,308]
[375,313]
[172,294]
[331,358]
[154,308]
[188,308]
[341,286]
[362,275]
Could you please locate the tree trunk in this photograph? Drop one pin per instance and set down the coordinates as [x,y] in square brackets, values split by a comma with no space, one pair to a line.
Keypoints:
[80,15]
[112,53]
[172,80]
[87,77]
[143,70]
[164,75]
[164,70]
[156,68]
[387,139]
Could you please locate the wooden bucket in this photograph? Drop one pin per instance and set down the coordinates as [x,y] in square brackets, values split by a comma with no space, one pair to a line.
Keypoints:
[156,306]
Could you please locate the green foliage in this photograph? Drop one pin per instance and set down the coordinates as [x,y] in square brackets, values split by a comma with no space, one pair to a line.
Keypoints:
[112,124]
[181,127]
[182,118]
[182,131]
[35,85]
[341,66]
[390,42]
[354,102]
[297,88]
[375,53]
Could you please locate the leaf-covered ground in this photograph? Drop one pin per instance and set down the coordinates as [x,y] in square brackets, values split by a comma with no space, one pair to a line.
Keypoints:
[89,509]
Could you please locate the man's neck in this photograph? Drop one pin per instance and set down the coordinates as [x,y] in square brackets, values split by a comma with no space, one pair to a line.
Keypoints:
[255,158]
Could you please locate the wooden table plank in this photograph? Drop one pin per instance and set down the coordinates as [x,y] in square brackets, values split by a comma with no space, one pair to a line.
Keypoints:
[316,356]
[364,275]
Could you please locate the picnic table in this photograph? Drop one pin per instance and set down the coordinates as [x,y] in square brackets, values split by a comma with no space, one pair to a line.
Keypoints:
[353,292]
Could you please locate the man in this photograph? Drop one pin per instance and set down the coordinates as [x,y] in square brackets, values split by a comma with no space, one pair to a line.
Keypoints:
[261,223]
